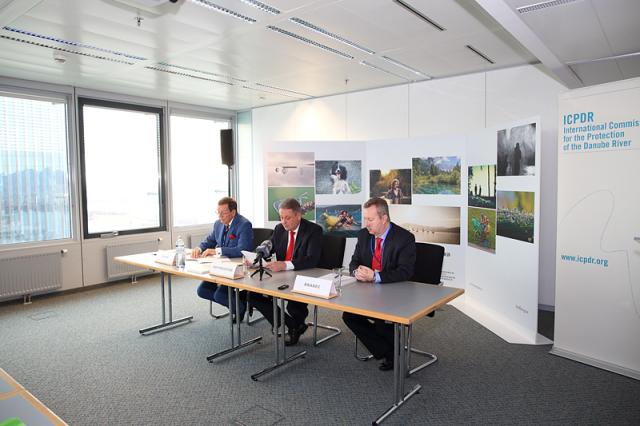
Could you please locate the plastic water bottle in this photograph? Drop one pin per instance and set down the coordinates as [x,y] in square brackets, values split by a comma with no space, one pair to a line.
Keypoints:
[180,256]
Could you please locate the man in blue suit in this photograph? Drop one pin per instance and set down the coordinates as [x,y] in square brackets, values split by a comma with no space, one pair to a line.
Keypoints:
[231,234]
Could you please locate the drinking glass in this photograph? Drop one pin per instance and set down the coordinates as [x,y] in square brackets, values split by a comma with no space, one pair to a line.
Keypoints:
[337,279]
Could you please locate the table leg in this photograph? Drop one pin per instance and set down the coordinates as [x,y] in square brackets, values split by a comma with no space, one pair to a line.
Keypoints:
[279,332]
[234,330]
[166,324]
[399,373]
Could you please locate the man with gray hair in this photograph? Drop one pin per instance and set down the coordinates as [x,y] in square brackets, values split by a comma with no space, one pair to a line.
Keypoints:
[385,253]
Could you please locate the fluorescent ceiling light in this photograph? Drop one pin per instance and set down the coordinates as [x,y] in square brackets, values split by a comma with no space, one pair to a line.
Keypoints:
[262,6]
[180,67]
[283,90]
[419,14]
[184,74]
[370,65]
[543,5]
[331,35]
[62,49]
[73,43]
[223,10]
[406,67]
[271,92]
[477,52]
[311,42]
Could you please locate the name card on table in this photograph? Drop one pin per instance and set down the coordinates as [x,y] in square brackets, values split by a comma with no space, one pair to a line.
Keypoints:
[166,257]
[319,287]
[226,269]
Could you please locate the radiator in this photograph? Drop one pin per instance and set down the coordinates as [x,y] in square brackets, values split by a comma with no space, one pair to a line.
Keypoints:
[121,270]
[24,275]
[196,238]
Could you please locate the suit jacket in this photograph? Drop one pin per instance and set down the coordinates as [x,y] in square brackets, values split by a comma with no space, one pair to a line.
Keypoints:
[308,247]
[398,254]
[239,237]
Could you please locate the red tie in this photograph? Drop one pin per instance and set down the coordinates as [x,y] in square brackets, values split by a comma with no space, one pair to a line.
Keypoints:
[292,242]
[376,262]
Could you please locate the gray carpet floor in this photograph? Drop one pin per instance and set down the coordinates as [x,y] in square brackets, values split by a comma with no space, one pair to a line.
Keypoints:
[81,354]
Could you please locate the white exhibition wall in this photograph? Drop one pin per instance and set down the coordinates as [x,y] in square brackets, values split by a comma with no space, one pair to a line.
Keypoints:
[597,317]
[431,108]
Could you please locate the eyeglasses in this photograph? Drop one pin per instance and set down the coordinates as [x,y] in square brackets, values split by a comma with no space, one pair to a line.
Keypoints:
[223,213]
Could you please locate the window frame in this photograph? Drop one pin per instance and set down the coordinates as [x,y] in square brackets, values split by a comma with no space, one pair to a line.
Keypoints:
[162,190]
[48,92]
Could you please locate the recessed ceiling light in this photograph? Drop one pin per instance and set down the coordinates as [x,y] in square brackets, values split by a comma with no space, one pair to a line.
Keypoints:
[370,65]
[542,5]
[419,14]
[62,49]
[308,41]
[262,6]
[73,43]
[406,67]
[331,35]
[184,74]
[479,53]
[223,10]
[283,90]
[180,67]
[272,92]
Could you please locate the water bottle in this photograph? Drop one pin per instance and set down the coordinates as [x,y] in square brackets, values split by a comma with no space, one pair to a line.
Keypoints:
[180,256]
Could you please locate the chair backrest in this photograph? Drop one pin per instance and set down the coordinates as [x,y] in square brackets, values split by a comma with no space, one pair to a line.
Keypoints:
[428,268]
[332,251]
[261,234]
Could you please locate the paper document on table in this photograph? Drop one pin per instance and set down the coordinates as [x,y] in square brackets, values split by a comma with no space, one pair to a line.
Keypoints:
[249,255]
[213,259]
[346,279]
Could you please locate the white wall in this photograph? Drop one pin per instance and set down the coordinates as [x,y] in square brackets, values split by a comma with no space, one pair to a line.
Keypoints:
[439,107]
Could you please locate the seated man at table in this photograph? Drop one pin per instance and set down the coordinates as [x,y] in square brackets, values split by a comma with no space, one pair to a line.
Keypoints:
[299,243]
[231,234]
[384,253]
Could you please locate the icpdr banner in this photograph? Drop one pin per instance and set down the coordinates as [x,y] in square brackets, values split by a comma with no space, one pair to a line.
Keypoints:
[597,319]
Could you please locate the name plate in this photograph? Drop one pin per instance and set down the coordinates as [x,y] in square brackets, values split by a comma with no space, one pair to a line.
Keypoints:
[229,270]
[319,287]
[166,257]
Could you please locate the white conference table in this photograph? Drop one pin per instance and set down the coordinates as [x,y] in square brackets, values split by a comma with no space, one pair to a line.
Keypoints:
[401,303]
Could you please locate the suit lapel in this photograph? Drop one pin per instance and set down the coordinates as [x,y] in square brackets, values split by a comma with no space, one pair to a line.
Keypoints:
[388,246]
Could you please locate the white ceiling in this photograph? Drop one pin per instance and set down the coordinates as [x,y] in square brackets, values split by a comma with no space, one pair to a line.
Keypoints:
[187,53]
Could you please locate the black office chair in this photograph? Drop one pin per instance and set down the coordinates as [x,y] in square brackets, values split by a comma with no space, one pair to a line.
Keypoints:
[428,270]
[259,235]
[332,256]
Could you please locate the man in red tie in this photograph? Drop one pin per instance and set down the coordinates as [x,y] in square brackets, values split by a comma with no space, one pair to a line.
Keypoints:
[297,243]
[385,253]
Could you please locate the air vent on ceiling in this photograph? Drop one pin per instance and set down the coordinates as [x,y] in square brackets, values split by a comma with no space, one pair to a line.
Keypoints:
[262,6]
[419,14]
[271,92]
[184,74]
[62,49]
[375,67]
[405,67]
[477,52]
[224,10]
[180,67]
[310,42]
[283,90]
[543,5]
[331,35]
[73,43]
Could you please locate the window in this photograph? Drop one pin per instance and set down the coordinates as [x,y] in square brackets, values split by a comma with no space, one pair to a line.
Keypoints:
[35,203]
[199,179]
[121,148]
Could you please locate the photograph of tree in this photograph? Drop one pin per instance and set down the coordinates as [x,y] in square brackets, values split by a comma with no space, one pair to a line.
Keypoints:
[481,229]
[429,224]
[338,177]
[305,196]
[436,175]
[392,185]
[482,186]
[517,151]
[341,219]
[290,168]
[515,215]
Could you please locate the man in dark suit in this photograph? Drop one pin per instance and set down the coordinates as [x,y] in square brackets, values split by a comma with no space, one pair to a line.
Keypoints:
[231,234]
[385,253]
[297,244]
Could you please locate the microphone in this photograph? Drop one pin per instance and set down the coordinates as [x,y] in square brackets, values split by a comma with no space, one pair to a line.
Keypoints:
[263,251]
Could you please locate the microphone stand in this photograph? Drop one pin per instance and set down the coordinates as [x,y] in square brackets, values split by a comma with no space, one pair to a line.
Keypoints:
[261,270]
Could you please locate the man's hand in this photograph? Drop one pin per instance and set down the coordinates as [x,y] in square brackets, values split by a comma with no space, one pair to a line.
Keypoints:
[209,252]
[365,274]
[195,252]
[276,266]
